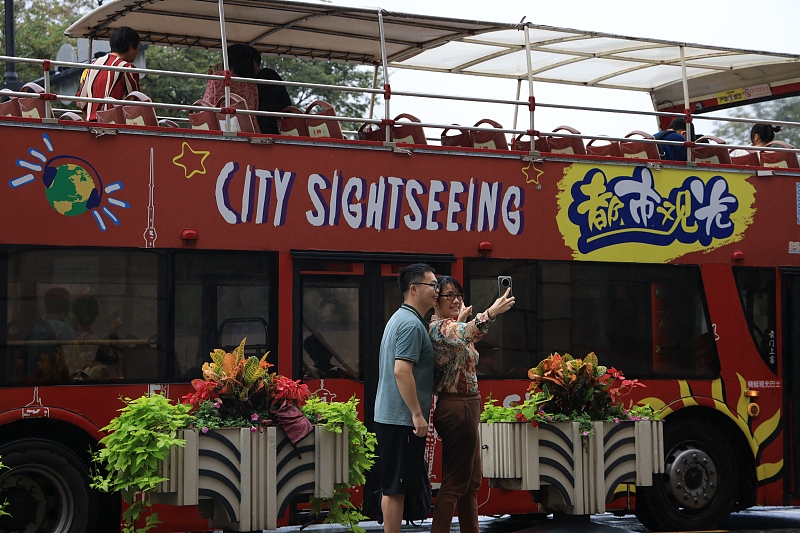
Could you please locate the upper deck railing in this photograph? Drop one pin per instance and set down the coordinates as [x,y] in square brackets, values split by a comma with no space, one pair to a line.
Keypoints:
[53,114]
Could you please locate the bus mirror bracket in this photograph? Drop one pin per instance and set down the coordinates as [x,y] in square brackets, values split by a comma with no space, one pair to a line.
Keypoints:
[99,132]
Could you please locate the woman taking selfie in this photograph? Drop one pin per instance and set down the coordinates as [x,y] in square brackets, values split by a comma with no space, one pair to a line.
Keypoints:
[458,406]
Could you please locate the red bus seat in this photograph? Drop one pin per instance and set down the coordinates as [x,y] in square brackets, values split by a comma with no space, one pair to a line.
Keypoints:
[540,144]
[494,140]
[779,159]
[239,121]
[322,128]
[139,115]
[203,119]
[403,131]
[610,149]
[463,138]
[748,159]
[293,126]
[707,152]
[566,145]
[635,149]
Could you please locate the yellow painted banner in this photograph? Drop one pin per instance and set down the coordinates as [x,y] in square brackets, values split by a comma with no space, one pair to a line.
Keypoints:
[621,213]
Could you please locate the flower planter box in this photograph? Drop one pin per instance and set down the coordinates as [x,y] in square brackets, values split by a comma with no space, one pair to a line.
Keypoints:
[244,480]
[574,474]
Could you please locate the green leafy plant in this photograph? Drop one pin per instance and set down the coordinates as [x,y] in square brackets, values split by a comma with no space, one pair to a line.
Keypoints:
[3,504]
[138,438]
[361,452]
[566,389]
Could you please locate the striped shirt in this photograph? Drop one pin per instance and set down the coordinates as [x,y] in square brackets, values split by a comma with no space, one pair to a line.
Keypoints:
[107,83]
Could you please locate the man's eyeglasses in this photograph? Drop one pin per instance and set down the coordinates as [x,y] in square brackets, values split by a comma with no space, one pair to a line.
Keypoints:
[450,296]
[434,285]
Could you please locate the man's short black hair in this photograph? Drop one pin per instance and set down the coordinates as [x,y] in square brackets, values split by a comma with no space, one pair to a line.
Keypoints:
[412,274]
[677,124]
[123,39]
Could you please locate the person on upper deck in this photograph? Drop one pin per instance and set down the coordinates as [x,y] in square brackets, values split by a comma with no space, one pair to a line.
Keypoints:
[114,84]
[675,132]
[242,63]
[273,98]
[762,134]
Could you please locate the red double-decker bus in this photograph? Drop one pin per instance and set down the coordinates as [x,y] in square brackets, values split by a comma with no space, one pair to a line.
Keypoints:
[130,251]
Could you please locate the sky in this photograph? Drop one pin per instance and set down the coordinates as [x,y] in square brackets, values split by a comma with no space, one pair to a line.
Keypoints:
[749,24]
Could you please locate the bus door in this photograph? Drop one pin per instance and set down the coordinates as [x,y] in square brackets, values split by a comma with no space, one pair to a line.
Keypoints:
[341,303]
[791,374]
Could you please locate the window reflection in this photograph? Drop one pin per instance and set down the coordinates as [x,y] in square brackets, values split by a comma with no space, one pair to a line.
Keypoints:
[330,341]
[79,316]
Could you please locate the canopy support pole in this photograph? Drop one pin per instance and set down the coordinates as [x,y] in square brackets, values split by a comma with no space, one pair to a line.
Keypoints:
[372,96]
[387,90]
[224,36]
[531,99]
[516,107]
[686,108]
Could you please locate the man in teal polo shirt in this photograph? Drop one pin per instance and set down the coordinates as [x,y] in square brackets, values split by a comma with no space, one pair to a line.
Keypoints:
[405,388]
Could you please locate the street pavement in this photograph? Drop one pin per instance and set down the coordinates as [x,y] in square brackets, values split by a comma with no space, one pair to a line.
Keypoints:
[754,520]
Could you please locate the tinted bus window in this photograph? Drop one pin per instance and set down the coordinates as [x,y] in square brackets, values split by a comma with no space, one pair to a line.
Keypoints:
[220,299]
[756,288]
[646,320]
[80,316]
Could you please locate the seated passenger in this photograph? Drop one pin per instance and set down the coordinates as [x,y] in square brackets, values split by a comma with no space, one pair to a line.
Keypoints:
[322,358]
[273,98]
[675,132]
[242,63]
[49,347]
[124,43]
[761,134]
[101,360]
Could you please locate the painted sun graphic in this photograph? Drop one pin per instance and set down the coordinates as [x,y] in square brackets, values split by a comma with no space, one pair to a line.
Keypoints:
[72,185]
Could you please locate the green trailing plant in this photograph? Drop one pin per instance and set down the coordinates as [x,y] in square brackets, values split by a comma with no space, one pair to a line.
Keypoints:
[138,439]
[566,389]
[361,453]
[3,504]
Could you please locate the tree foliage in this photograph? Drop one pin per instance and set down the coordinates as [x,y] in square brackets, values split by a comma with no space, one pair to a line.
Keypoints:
[40,26]
[39,31]
[186,90]
[786,109]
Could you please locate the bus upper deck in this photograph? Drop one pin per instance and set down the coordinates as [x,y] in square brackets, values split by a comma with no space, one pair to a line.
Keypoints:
[709,78]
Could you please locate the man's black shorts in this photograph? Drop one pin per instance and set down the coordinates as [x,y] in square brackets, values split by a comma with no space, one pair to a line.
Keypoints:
[402,457]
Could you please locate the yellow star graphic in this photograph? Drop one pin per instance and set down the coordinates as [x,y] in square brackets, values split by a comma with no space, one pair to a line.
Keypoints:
[197,166]
[528,178]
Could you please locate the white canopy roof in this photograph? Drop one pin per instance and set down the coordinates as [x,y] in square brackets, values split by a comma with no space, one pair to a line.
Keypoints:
[558,55]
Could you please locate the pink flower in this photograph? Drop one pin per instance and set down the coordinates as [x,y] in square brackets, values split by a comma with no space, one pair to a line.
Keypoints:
[254,417]
[217,405]
[253,429]
[204,430]
[585,433]
[616,420]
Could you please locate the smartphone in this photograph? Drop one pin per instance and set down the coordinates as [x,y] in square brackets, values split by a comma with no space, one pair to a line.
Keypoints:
[503,283]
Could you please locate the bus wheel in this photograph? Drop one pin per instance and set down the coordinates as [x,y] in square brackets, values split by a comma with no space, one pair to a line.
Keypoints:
[46,487]
[698,487]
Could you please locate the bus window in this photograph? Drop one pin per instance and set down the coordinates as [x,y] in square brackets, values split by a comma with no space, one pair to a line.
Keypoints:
[513,340]
[757,288]
[646,320]
[220,299]
[80,316]
[331,330]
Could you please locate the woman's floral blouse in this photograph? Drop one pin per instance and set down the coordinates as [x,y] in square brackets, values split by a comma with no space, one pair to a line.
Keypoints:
[456,356]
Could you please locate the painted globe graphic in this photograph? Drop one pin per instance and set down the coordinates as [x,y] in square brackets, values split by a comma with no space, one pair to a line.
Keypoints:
[71,190]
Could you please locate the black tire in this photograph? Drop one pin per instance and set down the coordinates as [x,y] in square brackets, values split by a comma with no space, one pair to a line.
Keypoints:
[47,489]
[698,488]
